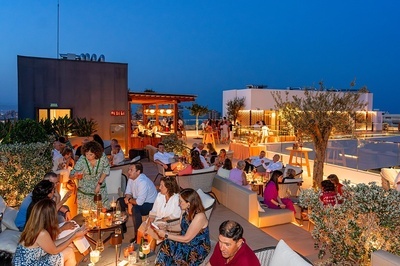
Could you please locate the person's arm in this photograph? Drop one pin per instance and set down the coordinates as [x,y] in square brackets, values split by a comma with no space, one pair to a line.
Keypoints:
[54,247]
[197,224]
[244,179]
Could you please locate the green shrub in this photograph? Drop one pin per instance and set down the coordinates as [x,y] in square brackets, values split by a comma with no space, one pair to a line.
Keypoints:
[22,166]
[173,144]
[26,131]
[367,220]
[84,127]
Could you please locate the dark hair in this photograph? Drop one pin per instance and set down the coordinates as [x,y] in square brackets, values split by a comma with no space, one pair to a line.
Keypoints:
[274,178]
[98,139]
[327,185]
[227,164]
[62,139]
[196,162]
[196,206]
[231,229]
[170,184]
[93,146]
[40,191]
[160,144]
[138,166]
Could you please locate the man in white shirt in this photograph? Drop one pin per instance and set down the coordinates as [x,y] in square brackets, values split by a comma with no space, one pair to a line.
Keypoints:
[117,155]
[140,192]
[203,160]
[164,158]
[257,162]
[274,165]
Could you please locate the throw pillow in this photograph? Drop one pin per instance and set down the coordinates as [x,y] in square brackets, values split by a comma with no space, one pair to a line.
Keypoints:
[9,218]
[284,255]
[3,205]
[206,199]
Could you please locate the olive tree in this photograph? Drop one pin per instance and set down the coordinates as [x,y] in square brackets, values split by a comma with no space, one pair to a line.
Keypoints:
[318,114]
[233,107]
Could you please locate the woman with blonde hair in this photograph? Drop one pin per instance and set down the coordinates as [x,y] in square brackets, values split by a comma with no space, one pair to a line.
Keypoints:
[38,244]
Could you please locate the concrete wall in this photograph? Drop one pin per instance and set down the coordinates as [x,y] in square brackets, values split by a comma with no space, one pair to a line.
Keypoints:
[90,89]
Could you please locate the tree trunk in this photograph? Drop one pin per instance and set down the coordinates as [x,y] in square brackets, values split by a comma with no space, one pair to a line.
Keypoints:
[318,169]
[197,124]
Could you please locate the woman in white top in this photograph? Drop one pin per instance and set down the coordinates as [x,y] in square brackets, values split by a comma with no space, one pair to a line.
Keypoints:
[165,208]
[225,170]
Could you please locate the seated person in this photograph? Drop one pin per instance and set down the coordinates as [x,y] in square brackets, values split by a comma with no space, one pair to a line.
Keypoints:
[204,154]
[335,180]
[78,152]
[163,158]
[63,211]
[226,168]
[141,193]
[238,176]
[328,195]
[193,244]
[64,162]
[212,153]
[271,196]
[274,165]
[38,244]
[256,162]
[195,164]
[117,155]
[200,148]
[165,208]
[232,248]
[291,173]
[221,158]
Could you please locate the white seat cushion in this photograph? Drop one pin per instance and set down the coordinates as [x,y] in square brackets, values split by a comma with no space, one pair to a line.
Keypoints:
[284,255]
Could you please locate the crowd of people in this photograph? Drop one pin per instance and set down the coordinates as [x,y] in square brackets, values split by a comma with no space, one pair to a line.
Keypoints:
[43,215]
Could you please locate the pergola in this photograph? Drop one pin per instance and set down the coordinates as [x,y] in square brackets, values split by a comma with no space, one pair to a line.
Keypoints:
[149,99]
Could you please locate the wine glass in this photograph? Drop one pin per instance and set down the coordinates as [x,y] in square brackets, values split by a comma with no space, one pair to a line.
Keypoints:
[86,215]
[99,245]
[146,251]
[94,256]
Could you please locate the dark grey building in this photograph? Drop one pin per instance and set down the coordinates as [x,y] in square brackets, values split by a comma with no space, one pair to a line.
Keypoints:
[58,87]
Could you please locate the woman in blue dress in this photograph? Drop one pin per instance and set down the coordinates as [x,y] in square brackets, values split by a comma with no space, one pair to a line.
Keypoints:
[192,246]
[38,245]
[94,166]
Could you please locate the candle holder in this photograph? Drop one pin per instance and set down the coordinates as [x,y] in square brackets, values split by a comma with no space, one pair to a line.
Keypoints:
[116,239]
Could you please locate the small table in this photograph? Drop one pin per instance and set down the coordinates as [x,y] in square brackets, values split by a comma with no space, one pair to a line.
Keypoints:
[79,219]
[299,153]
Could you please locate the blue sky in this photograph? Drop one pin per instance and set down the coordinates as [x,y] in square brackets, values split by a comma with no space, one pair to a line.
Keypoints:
[203,47]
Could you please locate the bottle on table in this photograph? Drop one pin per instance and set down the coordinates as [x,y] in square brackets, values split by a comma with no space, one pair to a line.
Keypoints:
[141,254]
[118,210]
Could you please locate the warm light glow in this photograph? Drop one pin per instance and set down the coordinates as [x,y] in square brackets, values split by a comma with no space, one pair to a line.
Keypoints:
[273,114]
[169,111]
[152,111]
[162,111]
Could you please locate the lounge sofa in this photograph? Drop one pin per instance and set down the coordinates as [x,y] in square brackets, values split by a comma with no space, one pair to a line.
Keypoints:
[384,258]
[10,234]
[245,203]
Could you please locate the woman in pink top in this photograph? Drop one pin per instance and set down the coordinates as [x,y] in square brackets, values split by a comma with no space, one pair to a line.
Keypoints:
[195,164]
[271,197]
[237,174]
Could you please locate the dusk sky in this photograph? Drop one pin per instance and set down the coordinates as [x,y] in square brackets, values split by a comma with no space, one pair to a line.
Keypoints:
[203,47]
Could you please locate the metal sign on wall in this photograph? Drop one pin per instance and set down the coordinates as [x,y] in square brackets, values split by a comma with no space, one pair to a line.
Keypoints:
[117,113]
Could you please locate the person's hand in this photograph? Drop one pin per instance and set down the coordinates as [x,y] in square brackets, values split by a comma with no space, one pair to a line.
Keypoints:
[68,226]
[160,233]
[67,195]
[283,206]
[81,232]
[126,199]
[97,189]
[165,166]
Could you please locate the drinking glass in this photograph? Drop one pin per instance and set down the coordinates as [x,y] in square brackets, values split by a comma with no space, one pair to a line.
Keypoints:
[146,251]
[99,245]
[94,256]
[132,258]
